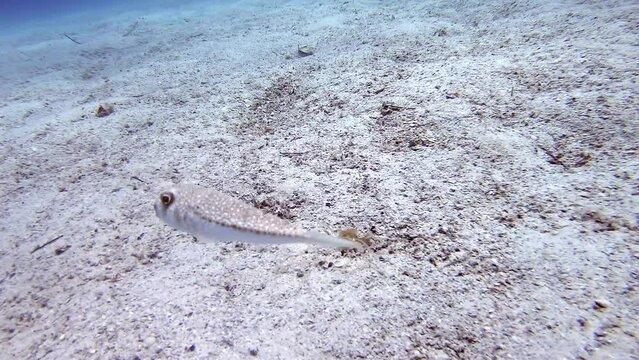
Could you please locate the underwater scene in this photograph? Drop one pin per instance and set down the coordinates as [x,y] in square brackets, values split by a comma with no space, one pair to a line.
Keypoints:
[353,179]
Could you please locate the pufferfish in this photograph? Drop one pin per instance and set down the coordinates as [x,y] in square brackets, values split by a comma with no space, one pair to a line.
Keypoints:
[214,216]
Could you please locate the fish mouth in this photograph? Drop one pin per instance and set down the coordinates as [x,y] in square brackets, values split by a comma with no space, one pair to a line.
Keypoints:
[158,210]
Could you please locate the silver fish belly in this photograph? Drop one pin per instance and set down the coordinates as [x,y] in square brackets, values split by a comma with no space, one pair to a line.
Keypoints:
[214,216]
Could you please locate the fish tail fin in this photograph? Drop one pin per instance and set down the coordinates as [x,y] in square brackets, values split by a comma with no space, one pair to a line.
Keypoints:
[324,240]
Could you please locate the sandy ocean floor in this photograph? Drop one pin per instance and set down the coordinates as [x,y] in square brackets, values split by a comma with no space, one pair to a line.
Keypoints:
[490,150]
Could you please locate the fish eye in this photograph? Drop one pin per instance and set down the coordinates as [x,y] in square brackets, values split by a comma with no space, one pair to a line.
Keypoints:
[166,198]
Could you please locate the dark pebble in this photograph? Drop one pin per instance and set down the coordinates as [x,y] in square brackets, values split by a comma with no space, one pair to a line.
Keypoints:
[62,249]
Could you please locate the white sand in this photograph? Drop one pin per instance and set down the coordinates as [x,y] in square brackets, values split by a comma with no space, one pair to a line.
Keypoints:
[501,185]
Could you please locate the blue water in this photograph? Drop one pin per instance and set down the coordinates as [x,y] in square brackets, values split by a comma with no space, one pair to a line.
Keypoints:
[17,13]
